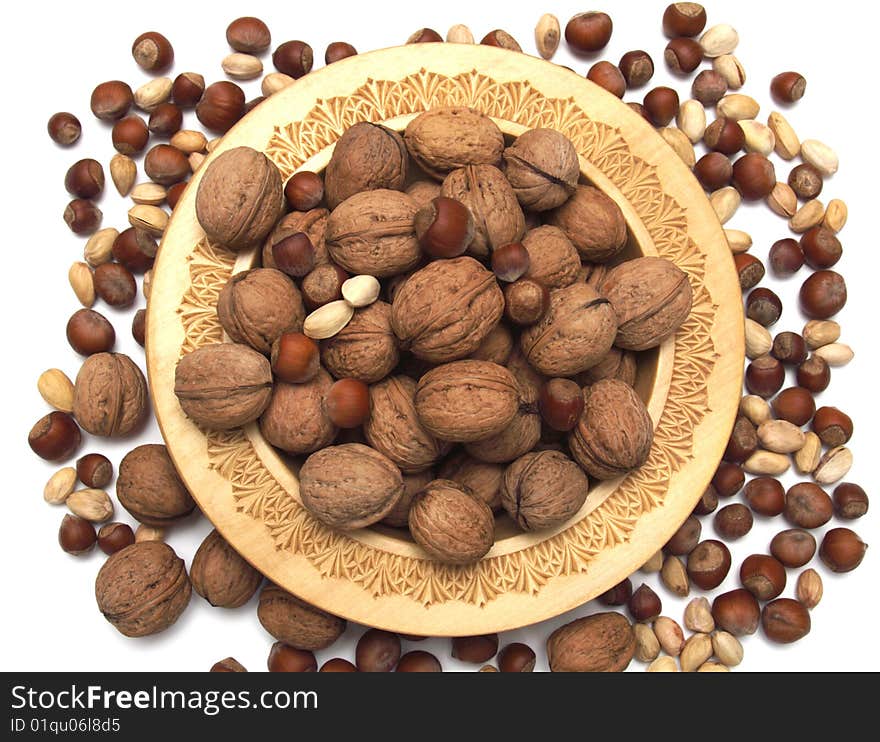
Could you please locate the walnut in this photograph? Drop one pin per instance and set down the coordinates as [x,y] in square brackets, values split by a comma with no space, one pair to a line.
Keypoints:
[615,432]
[573,335]
[143,588]
[312,223]
[257,306]
[483,479]
[372,232]
[366,348]
[445,139]
[393,427]
[295,419]
[366,157]
[451,524]
[240,197]
[651,297]
[617,364]
[412,485]
[542,166]
[223,386]
[553,260]
[350,486]
[149,487]
[496,346]
[423,191]
[467,401]
[543,490]
[220,575]
[498,218]
[110,395]
[295,622]
[445,310]
[603,642]
[593,222]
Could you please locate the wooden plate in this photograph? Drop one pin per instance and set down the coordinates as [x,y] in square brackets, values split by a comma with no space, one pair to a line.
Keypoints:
[692,384]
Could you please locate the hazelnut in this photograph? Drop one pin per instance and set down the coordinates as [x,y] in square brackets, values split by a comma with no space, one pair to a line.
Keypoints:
[115,284]
[714,171]
[152,52]
[173,194]
[525,301]
[82,216]
[640,110]
[786,257]
[729,479]
[685,539]
[765,376]
[683,55]
[750,270]
[823,294]
[794,547]
[187,89]
[763,576]
[338,50]
[348,403]
[617,595]
[743,440]
[850,501]
[516,657]
[55,437]
[733,521]
[419,661]
[85,179]
[736,612]
[64,128]
[833,427]
[94,470]
[323,285]
[294,255]
[76,535]
[766,496]
[424,36]
[608,76]
[788,87]
[499,38]
[821,248]
[726,136]
[842,550]
[806,181]
[166,165]
[662,105]
[130,135]
[230,664]
[115,537]
[588,32]
[684,19]
[561,404]
[794,404]
[111,100]
[89,332]
[293,58]
[477,649]
[708,502]
[221,106]
[709,87]
[637,68]
[644,604]
[764,307]
[295,358]
[807,505]
[510,262]
[304,190]
[165,120]
[284,658]
[136,249]
[248,35]
[444,228]
[139,327]
[754,176]
[785,621]
[814,374]
[708,564]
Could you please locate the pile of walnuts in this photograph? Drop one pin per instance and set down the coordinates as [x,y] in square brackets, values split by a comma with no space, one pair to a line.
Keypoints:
[484,360]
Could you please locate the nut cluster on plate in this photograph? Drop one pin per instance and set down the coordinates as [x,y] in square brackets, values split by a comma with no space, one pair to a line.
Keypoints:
[445,324]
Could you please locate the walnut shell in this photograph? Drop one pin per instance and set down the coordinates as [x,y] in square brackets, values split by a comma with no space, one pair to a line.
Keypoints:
[498,218]
[149,487]
[617,364]
[445,310]
[412,485]
[257,306]
[240,197]
[543,490]
[519,437]
[295,419]
[312,223]
[573,335]
[143,588]
[603,642]
[593,222]
[366,348]
[366,157]
[496,346]
[423,191]
[615,432]
[220,575]
[467,401]
[651,297]
[444,139]
[481,478]
[295,622]
[110,395]
[553,260]
[350,485]
[542,166]
[394,430]
[451,524]
[223,386]
[373,233]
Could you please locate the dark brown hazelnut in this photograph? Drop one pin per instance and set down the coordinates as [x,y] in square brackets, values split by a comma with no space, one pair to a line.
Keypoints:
[294,58]
[304,190]
[135,249]
[708,564]
[152,52]
[794,404]
[821,248]
[617,595]
[644,604]
[296,358]
[561,403]
[115,284]
[76,535]
[609,77]
[764,306]
[475,648]
[338,50]
[708,502]
[419,661]
[736,612]
[516,657]
[64,128]
[510,262]
[348,403]
[788,87]
[763,576]
[525,301]
[424,36]
[805,181]
[337,664]
[377,651]
[130,135]
[637,68]
[662,104]
[785,621]
[55,436]
[82,216]
[294,255]
[499,38]
[842,550]
[814,374]
[794,547]
[444,228]
[111,100]
[166,165]
[683,55]
[823,295]
[765,376]
[833,427]
[588,32]
[139,327]
[85,179]
[725,136]
[685,539]
[230,664]
[284,658]
[743,441]
[733,521]
[641,110]
[789,348]
[221,106]
[684,19]
[165,120]
[729,479]
[714,171]
[750,270]
[754,176]
[709,87]
[173,194]
[766,496]
[94,470]
[323,285]
[115,537]
[187,89]
[90,332]
[808,506]
[850,501]
[786,257]
[248,35]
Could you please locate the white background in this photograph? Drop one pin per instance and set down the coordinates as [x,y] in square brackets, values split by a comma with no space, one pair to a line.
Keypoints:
[56,54]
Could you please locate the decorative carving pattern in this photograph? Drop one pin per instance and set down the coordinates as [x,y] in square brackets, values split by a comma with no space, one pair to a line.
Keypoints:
[259,495]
